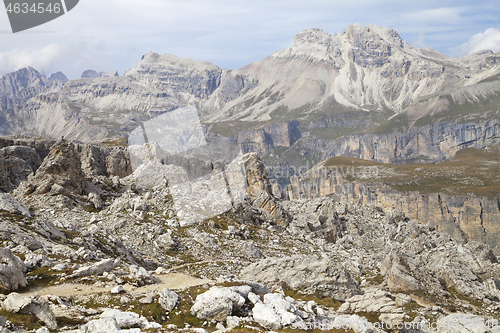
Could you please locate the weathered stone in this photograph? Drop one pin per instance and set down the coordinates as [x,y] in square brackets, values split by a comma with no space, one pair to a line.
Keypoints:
[217,303]
[141,275]
[282,308]
[168,299]
[374,302]
[62,167]
[397,271]
[13,205]
[266,316]
[259,189]
[462,323]
[34,260]
[11,271]
[98,268]
[166,241]
[123,319]
[108,325]
[36,305]
[311,274]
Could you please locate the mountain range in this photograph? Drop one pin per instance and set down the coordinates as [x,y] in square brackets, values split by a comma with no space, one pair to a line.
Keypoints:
[363,81]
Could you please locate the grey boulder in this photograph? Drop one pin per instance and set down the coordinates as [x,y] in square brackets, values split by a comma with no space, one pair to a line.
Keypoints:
[11,271]
[36,305]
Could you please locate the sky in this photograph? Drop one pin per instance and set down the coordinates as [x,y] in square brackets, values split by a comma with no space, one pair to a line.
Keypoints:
[108,35]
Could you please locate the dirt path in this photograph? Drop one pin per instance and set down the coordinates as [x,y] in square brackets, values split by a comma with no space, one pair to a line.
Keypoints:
[171,281]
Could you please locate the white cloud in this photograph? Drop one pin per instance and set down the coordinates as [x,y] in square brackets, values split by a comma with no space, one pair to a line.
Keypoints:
[488,40]
[45,59]
[440,16]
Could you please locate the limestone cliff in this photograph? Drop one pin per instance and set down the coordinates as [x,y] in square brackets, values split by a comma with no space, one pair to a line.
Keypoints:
[50,165]
[468,218]
[428,143]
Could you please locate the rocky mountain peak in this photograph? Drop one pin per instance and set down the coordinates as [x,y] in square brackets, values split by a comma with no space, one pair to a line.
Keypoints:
[22,78]
[312,44]
[92,74]
[312,36]
[315,44]
[19,86]
[154,60]
[58,76]
[388,34]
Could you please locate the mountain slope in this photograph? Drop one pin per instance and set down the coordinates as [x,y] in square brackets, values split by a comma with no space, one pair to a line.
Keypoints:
[364,68]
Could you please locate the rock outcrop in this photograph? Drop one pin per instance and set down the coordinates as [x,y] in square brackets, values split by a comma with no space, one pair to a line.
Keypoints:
[36,305]
[259,189]
[312,275]
[374,302]
[12,271]
[168,299]
[463,217]
[12,205]
[63,168]
[429,143]
[217,304]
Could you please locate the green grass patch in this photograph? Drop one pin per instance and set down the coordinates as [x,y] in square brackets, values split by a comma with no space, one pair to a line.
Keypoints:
[377,279]
[316,297]
[411,309]
[90,208]
[315,330]
[114,142]
[182,313]
[471,171]
[42,277]
[456,294]
[372,317]
[27,321]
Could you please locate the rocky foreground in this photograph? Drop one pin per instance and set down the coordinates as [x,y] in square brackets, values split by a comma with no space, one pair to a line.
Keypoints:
[90,245]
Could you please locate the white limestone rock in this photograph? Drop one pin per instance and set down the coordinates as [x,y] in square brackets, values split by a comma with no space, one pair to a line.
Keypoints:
[266,316]
[217,303]
[168,299]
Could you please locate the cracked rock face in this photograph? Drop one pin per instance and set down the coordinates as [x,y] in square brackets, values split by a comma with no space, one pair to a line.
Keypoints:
[11,271]
[374,302]
[324,276]
[61,167]
[36,305]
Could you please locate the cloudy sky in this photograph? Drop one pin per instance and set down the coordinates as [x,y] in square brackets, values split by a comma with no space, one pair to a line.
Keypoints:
[113,34]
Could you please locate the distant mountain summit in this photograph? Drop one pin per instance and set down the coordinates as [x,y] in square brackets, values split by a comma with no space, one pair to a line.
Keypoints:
[17,87]
[91,74]
[58,76]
